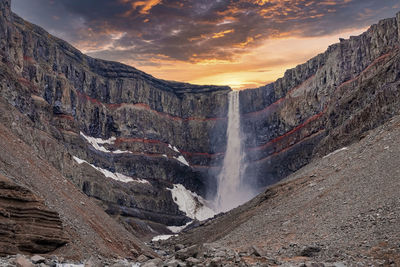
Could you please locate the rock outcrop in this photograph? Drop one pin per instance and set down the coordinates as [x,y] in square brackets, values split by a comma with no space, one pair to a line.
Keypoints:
[322,105]
[27,225]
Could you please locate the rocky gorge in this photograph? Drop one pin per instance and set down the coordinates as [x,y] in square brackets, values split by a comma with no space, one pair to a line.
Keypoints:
[114,140]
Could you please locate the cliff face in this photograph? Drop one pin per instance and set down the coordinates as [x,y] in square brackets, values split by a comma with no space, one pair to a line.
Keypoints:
[111,121]
[124,137]
[324,104]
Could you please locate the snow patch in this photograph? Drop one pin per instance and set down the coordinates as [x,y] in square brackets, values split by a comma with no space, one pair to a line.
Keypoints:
[162,237]
[121,152]
[190,203]
[116,176]
[178,229]
[174,148]
[182,160]
[335,152]
[98,143]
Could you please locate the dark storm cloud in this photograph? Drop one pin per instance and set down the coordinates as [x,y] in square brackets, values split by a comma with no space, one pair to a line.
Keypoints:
[149,30]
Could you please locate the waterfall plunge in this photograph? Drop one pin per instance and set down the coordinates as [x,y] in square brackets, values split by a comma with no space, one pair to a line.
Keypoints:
[232,191]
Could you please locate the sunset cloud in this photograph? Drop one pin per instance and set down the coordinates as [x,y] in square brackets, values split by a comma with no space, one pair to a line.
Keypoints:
[151,34]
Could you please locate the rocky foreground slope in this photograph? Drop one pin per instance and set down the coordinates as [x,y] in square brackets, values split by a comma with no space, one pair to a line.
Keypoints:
[340,210]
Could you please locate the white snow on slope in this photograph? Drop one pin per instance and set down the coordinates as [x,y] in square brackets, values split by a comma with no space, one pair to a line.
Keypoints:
[98,142]
[335,152]
[182,160]
[190,203]
[178,229]
[116,176]
[173,148]
[162,237]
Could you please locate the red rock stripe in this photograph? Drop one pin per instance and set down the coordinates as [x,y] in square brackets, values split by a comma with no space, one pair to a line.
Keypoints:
[146,107]
[269,156]
[376,61]
[289,147]
[277,139]
[138,140]
[152,141]
[276,103]
[211,155]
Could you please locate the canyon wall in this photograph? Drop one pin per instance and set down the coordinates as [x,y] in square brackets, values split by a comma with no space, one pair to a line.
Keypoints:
[322,105]
[110,120]
[125,138]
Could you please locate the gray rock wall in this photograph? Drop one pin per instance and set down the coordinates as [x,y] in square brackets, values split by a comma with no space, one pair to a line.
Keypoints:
[291,120]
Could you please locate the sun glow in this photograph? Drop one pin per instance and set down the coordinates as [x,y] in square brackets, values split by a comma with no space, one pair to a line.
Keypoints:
[258,67]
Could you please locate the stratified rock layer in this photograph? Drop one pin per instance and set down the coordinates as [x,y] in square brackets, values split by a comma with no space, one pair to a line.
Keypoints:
[157,125]
[166,132]
[322,105]
[26,224]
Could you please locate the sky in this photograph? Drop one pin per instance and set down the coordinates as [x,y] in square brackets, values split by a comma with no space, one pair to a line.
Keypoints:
[240,43]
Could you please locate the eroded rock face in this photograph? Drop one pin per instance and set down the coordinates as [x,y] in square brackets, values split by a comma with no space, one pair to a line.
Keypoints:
[322,105]
[163,132]
[27,225]
[166,132]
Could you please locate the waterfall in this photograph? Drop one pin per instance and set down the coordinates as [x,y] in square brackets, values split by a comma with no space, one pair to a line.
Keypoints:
[232,190]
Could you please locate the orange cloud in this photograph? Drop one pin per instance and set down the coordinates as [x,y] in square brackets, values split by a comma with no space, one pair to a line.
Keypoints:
[143,6]
[222,34]
[258,67]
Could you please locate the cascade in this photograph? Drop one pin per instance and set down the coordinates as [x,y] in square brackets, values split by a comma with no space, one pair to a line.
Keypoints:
[232,190]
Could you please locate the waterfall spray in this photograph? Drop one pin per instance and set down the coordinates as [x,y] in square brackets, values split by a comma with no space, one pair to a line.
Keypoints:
[232,191]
